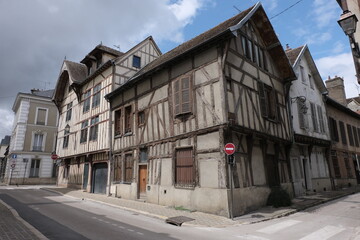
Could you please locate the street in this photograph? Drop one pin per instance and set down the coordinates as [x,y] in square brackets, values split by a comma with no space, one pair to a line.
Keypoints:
[63,217]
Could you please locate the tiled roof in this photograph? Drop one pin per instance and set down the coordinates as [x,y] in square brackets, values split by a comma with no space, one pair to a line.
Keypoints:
[357,99]
[293,54]
[77,71]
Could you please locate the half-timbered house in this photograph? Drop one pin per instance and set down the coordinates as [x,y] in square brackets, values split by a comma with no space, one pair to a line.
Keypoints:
[83,134]
[172,119]
[310,152]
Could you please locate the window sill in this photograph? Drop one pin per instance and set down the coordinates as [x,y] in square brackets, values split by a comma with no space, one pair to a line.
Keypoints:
[187,187]
[128,134]
[118,136]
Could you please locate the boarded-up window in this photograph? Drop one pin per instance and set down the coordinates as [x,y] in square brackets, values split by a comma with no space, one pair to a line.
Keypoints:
[182,95]
[268,102]
[184,168]
[128,119]
[342,132]
[129,164]
[117,168]
[355,137]
[321,119]
[314,117]
[350,135]
[335,163]
[41,116]
[117,122]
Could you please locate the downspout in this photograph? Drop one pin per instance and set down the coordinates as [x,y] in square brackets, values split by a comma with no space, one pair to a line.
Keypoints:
[291,125]
[110,155]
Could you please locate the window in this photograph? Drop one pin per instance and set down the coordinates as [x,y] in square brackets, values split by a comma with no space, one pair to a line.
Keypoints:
[66,136]
[143,156]
[253,52]
[117,122]
[34,168]
[141,118]
[38,142]
[342,132]
[321,119]
[184,168]
[333,130]
[96,96]
[302,109]
[268,102]
[41,116]
[94,128]
[355,137]
[84,131]
[302,72]
[314,117]
[182,96]
[68,112]
[311,81]
[244,45]
[129,163]
[335,162]
[136,61]
[86,99]
[98,62]
[350,135]
[229,86]
[347,165]
[128,119]
[117,168]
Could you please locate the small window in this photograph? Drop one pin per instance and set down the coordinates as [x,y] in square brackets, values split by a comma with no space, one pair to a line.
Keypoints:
[229,85]
[66,136]
[136,61]
[302,110]
[321,119]
[96,96]
[98,62]
[128,119]
[117,122]
[68,112]
[268,102]
[342,132]
[84,131]
[94,127]
[356,139]
[41,116]
[314,117]
[311,81]
[34,168]
[143,158]
[182,96]
[141,118]
[302,72]
[86,99]
[334,134]
[350,135]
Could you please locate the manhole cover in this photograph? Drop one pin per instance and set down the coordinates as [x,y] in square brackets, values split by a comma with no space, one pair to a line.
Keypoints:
[178,220]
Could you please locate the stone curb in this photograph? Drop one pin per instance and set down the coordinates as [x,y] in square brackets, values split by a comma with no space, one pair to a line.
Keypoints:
[36,232]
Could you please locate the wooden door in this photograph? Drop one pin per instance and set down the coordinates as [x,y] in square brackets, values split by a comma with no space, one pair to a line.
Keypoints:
[100,178]
[142,178]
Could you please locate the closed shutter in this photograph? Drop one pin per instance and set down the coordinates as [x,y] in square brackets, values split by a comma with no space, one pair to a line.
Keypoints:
[314,118]
[300,105]
[262,99]
[185,95]
[176,97]
[355,137]
[118,168]
[128,168]
[321,119]
[184,168]
[342,132]
[350,135]
[117,122]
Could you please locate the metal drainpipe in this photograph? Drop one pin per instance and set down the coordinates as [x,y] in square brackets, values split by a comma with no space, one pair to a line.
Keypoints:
[110,161]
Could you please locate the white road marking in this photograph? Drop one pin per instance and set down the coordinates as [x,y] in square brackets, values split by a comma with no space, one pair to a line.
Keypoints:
[121,227]
[251,237]
[324,233]
[140,233]
[130,230]
[114,224]
[279,226]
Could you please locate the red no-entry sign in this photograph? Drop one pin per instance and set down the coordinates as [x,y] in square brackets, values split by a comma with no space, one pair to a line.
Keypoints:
[54,156]
[229,148]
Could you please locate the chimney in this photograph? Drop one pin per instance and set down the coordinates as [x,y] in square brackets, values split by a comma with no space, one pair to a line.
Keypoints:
[288,47]
[336,89]
[34,90]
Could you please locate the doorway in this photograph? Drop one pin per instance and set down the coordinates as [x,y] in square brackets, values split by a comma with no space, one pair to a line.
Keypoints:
[142,180]
[99,178]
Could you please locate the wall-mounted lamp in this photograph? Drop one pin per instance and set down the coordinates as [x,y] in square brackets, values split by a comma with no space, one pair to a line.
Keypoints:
[301,102]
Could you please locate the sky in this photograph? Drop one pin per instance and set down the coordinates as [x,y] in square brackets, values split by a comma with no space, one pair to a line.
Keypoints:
[37,35]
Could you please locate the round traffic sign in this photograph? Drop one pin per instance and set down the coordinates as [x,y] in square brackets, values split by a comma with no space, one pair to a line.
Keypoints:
[54,156]
[229,148]
[13,166]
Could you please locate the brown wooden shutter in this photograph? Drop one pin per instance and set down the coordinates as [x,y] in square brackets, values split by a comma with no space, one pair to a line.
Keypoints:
[117,122]
[185,95]
[128,119]
[342,132]
[128,168]
[176,97]
[184,174]
[313,116]
[262,99]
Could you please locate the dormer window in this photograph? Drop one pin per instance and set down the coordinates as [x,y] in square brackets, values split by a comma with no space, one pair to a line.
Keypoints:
[89,71]
[136,61]
[98,62]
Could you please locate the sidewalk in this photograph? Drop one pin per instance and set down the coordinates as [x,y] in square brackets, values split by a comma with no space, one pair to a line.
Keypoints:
[204,219]
[13,227]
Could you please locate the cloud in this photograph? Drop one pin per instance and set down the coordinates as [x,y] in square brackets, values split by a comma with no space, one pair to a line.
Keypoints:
[270,5]
[341,65]
[7,118]
[325,12]
[37,35]
[318,38]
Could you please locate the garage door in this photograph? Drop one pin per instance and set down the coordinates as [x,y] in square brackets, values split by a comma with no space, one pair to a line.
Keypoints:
[100,178]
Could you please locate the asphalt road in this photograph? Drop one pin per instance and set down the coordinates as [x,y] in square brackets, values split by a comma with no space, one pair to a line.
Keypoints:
[61,217]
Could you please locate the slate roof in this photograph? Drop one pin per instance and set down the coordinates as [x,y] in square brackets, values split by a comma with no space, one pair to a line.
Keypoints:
[5,140]
[103,48]
[293,54]
[46,93]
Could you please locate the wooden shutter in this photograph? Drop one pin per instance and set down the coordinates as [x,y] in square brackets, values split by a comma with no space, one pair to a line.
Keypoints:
[350,135]
[128,168]
[176,97]
[321,119]
[342,132]
[185,95]
[128,119]
[262,99]
[117,122]
[355,137]
[301,114]
[314,118]
[184,168]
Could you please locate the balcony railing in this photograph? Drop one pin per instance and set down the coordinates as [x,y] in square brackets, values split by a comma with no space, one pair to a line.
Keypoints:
[37,149]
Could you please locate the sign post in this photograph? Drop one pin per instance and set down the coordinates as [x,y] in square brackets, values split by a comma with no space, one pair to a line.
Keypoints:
[230,150]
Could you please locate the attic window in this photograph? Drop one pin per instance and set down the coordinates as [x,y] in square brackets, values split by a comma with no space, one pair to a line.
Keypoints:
[136,61]
[98,62]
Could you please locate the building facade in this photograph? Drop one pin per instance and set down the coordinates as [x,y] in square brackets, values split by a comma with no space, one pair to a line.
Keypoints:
[33,139]
[344,127]
[173,118]
[83,135]
[4,151]
[310,152]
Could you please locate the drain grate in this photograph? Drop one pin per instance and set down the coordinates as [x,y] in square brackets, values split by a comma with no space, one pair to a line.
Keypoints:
[178,220]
